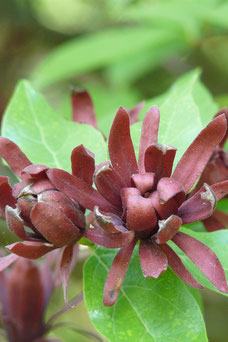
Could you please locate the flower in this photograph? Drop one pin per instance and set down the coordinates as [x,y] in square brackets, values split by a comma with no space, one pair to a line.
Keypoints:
[25,291]
[216,171]
[145,202]
[52,219]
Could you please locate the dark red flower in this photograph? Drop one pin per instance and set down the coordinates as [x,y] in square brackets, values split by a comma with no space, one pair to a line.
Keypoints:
[145,202]
[216,171]
[25,291]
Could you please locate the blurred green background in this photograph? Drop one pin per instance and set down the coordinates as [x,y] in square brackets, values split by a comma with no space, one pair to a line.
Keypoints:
[123,51]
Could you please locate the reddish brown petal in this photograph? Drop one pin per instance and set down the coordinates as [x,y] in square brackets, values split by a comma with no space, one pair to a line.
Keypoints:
[168,228]
[53,225]
[168,188]
[223,110]
[143,181]
[178,267]
[159,160]
[12,154]
[219,220]
[65,268]
[149,134]
[121,149]
[6,261]
[134,112]
[117,273]
[6,197]
[199,152]
[198,207]
[15,223]
[79,191]
[108,240]
[83,164]
[82,107]
[164,210]
[109,184]
[204,258]
[153,261]
[109,222]
[140,214]
[35,171]
[64,205]
[26,297]
[30,249]
[220,189]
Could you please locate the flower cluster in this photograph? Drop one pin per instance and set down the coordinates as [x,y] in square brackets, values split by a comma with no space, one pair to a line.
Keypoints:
[134,201]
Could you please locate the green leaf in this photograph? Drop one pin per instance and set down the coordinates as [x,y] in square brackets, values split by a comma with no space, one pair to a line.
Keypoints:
[44,136]
[218,242]
[94,51]
[147,310]
[186,109]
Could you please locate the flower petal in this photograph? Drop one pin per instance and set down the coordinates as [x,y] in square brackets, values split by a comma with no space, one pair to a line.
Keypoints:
[220,189]
[13,155]
[143,181]
[65,267]
[149,134]
[117,273]
[223,110]
[7,260]
[83,164]
[15,223]
[152,259]
[109,184]
[167,229]
[204,258]
[107,239]
[199,152]
[198,207]
[109,222]
[219,220]
[6,197]
[121,150]
[140,213]
[159,160]
[178,267]
[79,191]
[83,108]
[164,210]
[30,249]
[54,225]
[36,171]
[134,112]
[168,188]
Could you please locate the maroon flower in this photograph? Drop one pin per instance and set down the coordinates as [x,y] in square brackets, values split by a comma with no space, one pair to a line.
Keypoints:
[25,291]
[143,202]
[216,171]
[52,220]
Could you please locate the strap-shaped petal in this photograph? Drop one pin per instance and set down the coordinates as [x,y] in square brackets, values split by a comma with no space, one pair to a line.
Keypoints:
[135,111]
[83,164]
[83,108]
[37,171]
[7,260]
[117,273]
[139,211]
[220,189]
[15,223]
[13,155]
[79,191]
[159,160]
[199,152]
[164,210]
[223,110]
[54,225]
[149,134]
[107,239]
[168,188]
[219,220]
[152,259]
[6,197]
[204,258]
[198,207]
[178,267]
[109,184]
[30,249]
[121,150]
[168,228]
[109,222]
